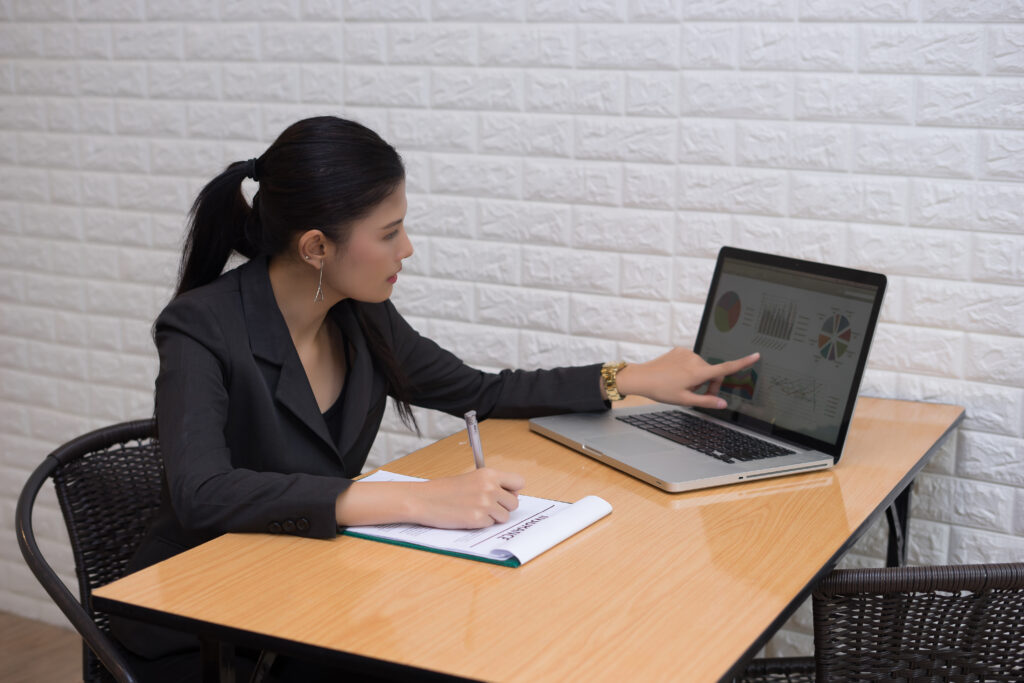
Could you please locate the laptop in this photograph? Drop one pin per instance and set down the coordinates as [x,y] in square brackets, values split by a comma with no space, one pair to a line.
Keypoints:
[789,413]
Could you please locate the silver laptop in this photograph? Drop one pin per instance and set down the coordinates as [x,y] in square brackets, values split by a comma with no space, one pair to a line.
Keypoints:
[789,413]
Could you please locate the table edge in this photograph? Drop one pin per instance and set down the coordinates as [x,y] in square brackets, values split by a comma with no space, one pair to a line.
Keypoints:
[358,664]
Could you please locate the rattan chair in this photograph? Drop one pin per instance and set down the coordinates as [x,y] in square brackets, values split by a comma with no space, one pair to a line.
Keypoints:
[950,623]
[108,486]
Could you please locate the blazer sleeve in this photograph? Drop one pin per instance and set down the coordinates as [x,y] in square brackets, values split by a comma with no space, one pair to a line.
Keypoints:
[211,489]
[441,381]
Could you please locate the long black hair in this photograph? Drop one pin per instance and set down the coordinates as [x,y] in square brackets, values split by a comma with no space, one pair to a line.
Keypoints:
[325,172]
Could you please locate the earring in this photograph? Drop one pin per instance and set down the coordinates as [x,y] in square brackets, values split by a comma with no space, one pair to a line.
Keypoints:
[319,296]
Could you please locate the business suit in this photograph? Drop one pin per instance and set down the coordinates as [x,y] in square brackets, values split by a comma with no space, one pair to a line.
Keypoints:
[245,446]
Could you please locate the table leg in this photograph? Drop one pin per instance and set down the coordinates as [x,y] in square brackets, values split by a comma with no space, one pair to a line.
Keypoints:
[898,515]
[263,664]
[218,661]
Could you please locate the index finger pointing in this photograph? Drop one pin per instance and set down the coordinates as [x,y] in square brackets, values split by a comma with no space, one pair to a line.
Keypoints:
[730,366]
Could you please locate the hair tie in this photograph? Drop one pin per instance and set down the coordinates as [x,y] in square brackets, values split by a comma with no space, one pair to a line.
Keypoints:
[250,169]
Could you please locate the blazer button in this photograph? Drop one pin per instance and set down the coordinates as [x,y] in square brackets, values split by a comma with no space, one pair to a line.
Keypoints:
[274,527]
[302,524]
[288,526]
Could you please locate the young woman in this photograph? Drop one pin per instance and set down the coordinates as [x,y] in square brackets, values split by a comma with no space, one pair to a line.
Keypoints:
[274,376]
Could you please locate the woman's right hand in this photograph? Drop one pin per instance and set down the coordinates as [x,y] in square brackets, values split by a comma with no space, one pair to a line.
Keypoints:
[472,500]
[681,377]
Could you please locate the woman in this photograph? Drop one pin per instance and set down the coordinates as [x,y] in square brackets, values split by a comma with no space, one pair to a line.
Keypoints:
[274,376]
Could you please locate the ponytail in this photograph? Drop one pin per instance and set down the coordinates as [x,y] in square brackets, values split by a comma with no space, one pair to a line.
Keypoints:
[220,221]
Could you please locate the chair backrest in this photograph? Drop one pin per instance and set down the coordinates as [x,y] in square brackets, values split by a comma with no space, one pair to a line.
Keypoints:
[948,623]
[108,484]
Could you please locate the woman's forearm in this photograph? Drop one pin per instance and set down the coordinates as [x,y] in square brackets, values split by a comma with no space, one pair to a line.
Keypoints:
[466,501]
[381,502]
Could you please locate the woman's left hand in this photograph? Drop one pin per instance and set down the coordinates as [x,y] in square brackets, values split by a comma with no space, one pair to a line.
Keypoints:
[681,377]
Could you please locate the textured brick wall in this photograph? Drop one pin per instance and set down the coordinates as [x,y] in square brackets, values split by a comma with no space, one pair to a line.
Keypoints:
[573,168]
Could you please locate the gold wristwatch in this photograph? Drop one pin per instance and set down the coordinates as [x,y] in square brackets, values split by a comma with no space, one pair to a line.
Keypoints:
[609,376]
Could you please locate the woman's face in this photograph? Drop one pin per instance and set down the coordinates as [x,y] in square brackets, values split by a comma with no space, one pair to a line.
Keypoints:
[366,267]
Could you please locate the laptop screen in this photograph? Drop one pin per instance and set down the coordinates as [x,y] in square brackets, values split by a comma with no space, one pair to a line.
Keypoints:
[813,325]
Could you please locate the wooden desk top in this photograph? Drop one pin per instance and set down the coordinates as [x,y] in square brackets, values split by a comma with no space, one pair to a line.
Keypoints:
[669,586]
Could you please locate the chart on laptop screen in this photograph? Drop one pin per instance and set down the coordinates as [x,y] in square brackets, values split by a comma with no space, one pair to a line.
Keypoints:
[810,332]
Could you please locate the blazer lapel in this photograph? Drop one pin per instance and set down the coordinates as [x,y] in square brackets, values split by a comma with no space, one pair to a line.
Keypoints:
[269,340]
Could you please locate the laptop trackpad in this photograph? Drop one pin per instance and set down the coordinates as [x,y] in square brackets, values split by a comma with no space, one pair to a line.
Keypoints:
[633,442]
[655,454]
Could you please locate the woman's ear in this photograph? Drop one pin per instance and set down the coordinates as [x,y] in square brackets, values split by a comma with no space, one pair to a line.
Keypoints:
[312,246]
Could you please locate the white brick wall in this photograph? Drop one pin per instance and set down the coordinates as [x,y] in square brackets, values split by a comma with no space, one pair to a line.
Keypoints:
[566,159]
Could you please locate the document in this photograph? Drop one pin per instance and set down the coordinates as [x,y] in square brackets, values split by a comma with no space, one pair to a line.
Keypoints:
[536,525]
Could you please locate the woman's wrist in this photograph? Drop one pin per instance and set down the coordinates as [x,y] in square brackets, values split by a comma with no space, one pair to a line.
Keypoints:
[625,380]
[610,388]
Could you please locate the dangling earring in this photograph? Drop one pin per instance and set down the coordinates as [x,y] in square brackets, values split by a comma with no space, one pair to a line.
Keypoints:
[319,296]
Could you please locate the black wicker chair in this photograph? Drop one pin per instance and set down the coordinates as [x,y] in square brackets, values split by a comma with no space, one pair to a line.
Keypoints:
[949,623]
[108,485]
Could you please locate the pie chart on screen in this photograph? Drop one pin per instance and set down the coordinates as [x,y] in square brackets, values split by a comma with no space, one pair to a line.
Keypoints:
[834,338]
[727,311]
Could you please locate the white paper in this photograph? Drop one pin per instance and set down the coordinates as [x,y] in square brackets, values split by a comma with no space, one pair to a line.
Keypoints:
[533,527]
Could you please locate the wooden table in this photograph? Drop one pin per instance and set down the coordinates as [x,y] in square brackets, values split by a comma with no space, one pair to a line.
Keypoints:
[681,586]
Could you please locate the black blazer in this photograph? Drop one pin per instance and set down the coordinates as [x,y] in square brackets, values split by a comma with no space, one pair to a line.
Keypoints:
[244,443]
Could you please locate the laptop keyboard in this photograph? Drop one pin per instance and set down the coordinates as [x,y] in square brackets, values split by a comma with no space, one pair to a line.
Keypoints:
[705,436]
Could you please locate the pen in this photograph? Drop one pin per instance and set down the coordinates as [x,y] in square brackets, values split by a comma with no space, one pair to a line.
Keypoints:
[474,438]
